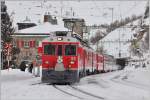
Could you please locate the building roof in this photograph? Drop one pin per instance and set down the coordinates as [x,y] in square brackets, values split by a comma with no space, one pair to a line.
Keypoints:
[43,28]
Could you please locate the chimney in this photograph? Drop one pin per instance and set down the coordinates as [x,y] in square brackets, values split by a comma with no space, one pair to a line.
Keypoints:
[45,18]
[49,18]
[54,21]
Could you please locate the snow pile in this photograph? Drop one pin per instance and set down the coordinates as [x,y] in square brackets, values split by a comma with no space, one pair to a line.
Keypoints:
[13,75]
[140,77]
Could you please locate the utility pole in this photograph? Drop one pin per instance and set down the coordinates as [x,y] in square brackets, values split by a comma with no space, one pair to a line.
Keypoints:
[149,32]
[71,12]
[97,43]
[61,7]
[119,45]
[149,29]
[112,13]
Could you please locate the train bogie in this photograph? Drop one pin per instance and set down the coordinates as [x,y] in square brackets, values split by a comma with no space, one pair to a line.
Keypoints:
[66,76]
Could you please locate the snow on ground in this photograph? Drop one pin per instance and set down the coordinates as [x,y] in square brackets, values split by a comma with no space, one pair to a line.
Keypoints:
[17,85]
[127,84]
[121,85]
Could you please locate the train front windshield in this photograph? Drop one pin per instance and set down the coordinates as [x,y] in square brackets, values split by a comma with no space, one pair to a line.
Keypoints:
[49,49]
[70,50]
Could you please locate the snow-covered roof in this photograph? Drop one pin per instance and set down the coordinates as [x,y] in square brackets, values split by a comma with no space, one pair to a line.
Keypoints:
[147,21]
[44,28]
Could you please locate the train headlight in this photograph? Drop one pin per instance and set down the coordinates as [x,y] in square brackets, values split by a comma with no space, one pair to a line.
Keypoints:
[59,38]
[69,66]
[72,62]
[46,62]
[27,65]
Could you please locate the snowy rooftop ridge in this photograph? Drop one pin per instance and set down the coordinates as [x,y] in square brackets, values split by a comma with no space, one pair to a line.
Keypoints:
[43,28]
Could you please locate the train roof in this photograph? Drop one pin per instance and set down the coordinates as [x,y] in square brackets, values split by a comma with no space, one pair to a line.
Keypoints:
[67,36]
[60,36]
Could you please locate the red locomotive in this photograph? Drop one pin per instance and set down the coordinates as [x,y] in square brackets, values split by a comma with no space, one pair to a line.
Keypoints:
[66,58]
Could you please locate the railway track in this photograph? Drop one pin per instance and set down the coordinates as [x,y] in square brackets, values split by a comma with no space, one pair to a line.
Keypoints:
[65,92]
[87,93]
[78,93]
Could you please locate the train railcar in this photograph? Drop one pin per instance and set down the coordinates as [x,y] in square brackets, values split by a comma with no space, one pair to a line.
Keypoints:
[66,58]
[110,63]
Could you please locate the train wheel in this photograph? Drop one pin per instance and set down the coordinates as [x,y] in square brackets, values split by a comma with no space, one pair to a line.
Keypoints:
[87,72]
[95,71]
[78,77]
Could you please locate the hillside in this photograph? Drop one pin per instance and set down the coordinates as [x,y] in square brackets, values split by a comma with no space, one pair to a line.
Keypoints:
[94,12]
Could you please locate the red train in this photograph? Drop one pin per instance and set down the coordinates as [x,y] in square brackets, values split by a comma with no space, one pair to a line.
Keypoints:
[66,58]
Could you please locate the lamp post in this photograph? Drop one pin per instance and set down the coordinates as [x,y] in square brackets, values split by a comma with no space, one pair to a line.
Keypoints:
[112,12]
[149,35]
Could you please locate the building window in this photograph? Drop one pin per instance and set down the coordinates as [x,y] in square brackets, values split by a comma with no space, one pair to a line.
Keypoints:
[37,44]
[26,44]
[15,43]
[32,43]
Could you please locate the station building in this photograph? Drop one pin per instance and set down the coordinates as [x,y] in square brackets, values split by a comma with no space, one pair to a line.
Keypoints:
[28,39]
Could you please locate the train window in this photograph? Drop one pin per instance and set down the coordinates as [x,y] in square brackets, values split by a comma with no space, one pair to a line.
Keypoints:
[59,50]
[49,49]
[70,50]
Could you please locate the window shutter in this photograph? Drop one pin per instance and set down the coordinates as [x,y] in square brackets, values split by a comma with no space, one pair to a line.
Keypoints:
[37,44]
[17,43]
[34,43]
[22,43]
[31,45]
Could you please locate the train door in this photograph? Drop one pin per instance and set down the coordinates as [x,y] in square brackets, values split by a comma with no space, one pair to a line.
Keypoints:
[92,62]
[59,54]
[84,62]
[97,63]
[79,58]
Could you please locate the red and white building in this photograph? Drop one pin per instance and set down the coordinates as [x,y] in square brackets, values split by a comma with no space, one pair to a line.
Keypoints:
[28,39]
